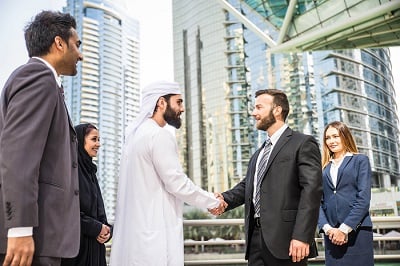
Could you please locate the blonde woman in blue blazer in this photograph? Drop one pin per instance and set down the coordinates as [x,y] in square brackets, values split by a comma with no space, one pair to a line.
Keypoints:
[344,212]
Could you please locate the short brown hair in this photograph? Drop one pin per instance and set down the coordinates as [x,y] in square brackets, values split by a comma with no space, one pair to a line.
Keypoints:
[280,99]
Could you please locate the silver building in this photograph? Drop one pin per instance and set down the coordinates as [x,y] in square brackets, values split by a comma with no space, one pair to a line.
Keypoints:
[106,90]
[221,60]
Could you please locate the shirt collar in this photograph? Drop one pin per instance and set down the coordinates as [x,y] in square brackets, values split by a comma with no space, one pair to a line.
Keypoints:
[347,154]
[58,79]
[274,138]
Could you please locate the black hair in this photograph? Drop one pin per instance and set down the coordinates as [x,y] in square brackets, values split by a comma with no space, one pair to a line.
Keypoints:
[40,33]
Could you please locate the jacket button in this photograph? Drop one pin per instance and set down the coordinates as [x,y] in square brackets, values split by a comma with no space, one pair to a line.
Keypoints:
[76,192]
[74,165]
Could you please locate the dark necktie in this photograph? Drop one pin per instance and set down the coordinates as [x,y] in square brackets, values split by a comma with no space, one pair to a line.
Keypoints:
[62,91]
[262,166]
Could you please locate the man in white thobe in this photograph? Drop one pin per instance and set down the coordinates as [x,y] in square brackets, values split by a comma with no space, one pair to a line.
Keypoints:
[148,228]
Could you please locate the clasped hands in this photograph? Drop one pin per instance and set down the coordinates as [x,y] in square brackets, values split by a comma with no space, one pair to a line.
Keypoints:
[337,237]
[104,235]
[221,207]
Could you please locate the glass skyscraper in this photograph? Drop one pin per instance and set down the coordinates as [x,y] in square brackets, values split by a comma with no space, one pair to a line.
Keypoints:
[222,63]
[106,90]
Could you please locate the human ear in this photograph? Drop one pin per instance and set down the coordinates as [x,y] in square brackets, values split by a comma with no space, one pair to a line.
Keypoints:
[58,42]
[277,110]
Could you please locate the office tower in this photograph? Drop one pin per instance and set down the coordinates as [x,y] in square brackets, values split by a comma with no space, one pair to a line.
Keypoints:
[222,63]
[106,90]
[217,132]
[358,90]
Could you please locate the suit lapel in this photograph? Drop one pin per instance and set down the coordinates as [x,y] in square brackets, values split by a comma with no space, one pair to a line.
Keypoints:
[61,92]
[344,164]
[284,138]
[327,172]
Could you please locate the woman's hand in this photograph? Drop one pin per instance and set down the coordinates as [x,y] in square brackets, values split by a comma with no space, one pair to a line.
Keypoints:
[104,234]
[337,237]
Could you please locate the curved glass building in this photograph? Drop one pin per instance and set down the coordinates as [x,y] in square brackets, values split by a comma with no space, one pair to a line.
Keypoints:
[222,61]
[358,90]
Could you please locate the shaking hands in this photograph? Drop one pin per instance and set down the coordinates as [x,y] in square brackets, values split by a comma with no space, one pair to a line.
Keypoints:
[221,207]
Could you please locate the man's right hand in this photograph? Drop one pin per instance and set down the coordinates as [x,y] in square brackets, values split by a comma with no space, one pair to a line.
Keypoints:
[19,251]
[221,207]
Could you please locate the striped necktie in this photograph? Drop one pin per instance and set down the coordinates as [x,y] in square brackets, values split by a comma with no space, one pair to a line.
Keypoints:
[262,166]
[62,91]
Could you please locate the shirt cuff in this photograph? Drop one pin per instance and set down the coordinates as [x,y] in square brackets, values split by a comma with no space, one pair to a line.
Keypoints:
[20,231]
[326,228]
[345,228]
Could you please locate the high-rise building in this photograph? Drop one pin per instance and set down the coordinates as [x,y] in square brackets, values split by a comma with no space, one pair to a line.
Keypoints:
[105,91]
[217,132]
[222,63]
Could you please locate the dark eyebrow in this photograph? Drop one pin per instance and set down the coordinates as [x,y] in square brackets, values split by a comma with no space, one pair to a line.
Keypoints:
[78,43]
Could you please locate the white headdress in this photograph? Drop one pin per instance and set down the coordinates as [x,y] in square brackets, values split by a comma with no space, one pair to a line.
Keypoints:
[150,96]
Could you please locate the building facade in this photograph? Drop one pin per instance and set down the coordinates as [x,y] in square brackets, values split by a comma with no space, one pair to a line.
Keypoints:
[222,63]
[105,91]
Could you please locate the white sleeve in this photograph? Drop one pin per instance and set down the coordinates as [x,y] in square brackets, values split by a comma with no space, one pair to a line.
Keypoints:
[176,182]
[20,231]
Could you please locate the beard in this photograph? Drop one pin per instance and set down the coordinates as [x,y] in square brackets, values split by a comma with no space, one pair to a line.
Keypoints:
[266,122]
[172,117]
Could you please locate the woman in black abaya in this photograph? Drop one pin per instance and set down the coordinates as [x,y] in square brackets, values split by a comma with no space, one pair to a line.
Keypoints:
[95,230]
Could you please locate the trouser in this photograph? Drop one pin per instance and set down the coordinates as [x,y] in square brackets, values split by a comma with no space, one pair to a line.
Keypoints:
[259,254]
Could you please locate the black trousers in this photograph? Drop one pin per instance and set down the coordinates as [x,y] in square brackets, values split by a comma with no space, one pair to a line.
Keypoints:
[259,254]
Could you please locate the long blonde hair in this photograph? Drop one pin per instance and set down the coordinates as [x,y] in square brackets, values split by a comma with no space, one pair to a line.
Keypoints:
[346,138]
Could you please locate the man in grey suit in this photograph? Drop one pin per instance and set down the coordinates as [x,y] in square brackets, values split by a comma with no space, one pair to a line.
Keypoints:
[39,203]
[282,189]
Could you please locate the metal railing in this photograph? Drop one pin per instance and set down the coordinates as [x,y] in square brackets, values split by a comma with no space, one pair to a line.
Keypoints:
[379,241]
[391,222]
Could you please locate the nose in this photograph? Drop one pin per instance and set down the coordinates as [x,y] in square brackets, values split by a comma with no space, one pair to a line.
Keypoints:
[80,58]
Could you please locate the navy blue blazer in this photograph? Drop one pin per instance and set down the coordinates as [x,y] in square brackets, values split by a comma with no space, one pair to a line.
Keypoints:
[349,202]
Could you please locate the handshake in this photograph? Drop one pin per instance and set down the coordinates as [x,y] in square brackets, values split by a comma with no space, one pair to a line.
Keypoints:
[221,207]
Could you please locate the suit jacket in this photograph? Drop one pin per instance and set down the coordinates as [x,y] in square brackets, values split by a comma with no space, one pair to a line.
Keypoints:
[38,162]
[290,193]
[349,201]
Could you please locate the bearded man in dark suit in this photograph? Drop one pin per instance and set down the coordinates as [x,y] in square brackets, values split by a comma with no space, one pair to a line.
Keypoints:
[39,203]
[282,189]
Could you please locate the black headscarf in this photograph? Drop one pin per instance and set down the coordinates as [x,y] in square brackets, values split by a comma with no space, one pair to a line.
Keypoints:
[93,215]
[86,166]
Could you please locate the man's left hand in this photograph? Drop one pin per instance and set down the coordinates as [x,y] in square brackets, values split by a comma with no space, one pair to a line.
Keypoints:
[298,250]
